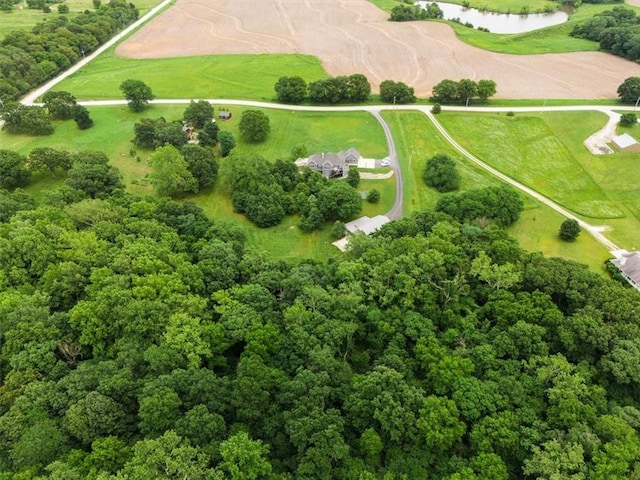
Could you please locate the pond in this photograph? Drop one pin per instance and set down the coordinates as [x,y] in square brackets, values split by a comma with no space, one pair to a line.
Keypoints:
[500,22]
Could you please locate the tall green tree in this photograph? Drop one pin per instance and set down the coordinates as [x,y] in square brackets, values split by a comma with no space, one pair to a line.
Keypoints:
[48,159]
[441,173]
[59,104]
[170,172]
[291,89]
[13,170]
[137,93]
[254,126]
[198,113]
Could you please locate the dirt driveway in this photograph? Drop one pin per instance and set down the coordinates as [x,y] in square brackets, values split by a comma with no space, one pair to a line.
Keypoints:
[354,36]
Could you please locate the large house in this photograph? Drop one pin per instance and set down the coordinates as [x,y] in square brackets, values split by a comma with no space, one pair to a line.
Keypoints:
[333,165]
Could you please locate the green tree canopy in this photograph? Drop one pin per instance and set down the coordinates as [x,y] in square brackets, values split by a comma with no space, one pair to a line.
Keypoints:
[254,126]
[137,93]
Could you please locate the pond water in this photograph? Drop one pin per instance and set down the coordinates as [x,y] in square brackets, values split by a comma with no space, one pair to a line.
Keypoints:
[500,22]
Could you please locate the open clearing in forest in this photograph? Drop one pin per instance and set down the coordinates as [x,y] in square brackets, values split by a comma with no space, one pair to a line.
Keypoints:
[354,36]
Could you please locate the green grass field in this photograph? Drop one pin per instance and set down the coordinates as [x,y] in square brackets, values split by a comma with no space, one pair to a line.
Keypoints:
[25,18]
[543,153]
[537,230]
[214,76]
[113,131]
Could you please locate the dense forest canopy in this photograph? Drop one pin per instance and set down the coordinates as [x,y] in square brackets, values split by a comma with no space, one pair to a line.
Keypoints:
[140,339]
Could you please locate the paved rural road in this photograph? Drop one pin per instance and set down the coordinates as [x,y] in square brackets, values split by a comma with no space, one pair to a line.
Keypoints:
[396,211]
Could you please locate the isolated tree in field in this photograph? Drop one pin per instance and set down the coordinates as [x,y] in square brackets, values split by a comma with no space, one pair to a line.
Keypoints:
[60,105]
[227,142]
[208,136]
[137,93]
[198,113]
[629,90]
[171,176]
[396,92]
[373,196]
[628,119]
[441,174]
[254,126]
[291,90]
[48,159]
[13,172]
[569,230]
[82,118]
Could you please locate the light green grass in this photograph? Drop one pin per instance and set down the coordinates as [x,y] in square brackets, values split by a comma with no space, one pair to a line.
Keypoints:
[417,141]
[546,152]
[537,230]
[526,148]
[26,18]
[213,76]
[113,131]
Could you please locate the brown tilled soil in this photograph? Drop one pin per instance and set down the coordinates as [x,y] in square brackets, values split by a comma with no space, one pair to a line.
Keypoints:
[354,36]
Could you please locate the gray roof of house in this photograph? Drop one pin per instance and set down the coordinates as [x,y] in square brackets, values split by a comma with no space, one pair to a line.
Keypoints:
[623,141]
[629,265]
[366,225]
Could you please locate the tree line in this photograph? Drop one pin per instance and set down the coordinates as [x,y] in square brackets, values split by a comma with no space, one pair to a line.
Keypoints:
[141,339]
[617,31]
[29,59]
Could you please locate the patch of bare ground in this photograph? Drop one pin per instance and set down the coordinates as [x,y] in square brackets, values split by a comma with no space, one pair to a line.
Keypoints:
[354,36]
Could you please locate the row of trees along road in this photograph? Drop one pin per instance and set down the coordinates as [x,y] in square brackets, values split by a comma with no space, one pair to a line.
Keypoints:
[141,339]
[37,120]
[29,59]
[450,92]
[352,89]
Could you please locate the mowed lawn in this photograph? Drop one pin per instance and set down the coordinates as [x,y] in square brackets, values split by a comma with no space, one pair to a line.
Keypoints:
[537,230]
[211,76]
[113,132]
[527,149]
[546,152]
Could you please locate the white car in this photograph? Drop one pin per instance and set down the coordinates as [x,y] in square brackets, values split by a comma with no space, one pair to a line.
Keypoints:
[385,162]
